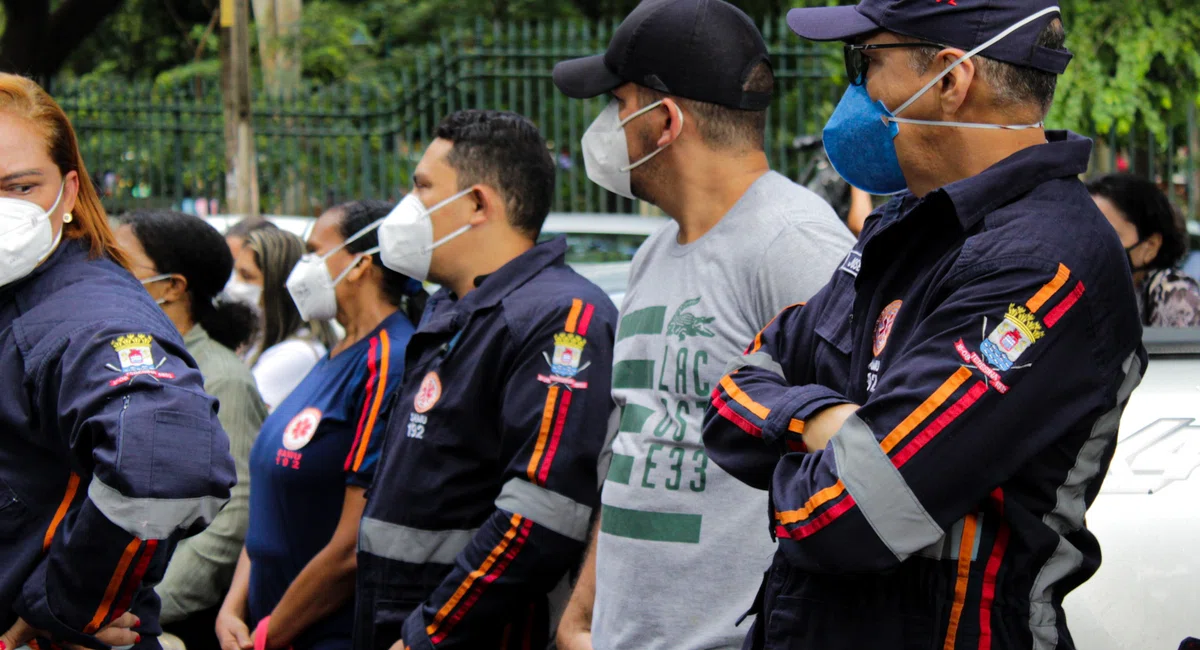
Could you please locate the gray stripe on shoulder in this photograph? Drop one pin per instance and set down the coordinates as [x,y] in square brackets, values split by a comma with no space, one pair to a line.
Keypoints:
[758,359]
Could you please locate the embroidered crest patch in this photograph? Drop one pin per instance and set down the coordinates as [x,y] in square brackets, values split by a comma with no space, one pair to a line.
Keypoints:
[301,429]
[883,326]
[566,361]
[1019,330]
[136,356]
[428,394]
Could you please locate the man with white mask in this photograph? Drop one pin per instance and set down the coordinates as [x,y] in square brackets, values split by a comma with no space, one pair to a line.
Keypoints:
[949,402]
[679,552]
[488,476]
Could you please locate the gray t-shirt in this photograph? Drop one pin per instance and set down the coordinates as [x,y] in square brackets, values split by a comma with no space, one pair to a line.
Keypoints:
[682,544]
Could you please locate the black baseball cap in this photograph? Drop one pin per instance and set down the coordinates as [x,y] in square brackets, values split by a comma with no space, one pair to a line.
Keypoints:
[964,24]
[695,49]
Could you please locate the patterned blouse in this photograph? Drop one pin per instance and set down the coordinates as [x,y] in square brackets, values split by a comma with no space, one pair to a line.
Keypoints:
[1170,298]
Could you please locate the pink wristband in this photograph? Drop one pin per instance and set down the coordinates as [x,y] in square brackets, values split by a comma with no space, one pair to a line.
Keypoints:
[260,634]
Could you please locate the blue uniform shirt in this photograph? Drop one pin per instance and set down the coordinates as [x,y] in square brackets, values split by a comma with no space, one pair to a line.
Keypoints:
[485,492]
[989,332]
[110,450]
[324,436]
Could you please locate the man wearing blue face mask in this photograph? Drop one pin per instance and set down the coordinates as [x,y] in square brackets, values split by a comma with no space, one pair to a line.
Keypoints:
[488,479]
[935,422]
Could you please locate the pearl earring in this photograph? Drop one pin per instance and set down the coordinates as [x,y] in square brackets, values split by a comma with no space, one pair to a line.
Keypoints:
[67,218]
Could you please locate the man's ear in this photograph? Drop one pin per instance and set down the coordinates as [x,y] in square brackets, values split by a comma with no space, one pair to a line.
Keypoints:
[674,124]
[953,88]
[177,288]
[486,204]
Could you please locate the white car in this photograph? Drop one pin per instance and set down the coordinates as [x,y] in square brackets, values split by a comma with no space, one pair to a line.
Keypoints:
[1146,593]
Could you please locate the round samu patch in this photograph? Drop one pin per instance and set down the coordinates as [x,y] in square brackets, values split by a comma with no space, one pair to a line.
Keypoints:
[301,429]
[883,326]
[428,394]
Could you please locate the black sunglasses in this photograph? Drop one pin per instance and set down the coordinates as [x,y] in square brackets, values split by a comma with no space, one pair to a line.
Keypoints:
[857,62]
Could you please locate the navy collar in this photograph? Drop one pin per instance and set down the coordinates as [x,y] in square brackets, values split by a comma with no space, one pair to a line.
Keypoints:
[495,286]
[1065,154]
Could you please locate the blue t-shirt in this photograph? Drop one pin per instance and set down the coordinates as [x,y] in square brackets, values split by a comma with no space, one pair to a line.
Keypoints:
[325,436]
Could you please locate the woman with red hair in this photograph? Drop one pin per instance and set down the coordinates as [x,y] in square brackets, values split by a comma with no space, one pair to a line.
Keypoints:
[110,450]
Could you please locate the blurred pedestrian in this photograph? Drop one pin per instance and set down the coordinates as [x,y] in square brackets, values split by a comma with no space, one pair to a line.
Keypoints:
[287,347]
[319,449]
[111,450]
[236,234]
[183,262]
[1155,240]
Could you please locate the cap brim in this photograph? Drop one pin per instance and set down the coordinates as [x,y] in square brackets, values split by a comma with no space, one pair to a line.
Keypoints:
[830,23]
[586,77]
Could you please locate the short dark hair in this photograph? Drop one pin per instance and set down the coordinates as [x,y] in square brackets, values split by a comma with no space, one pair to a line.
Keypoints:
[721,127]
[507,152]
[182,244]
[1014,85]
[243,228]
[1149,210]
[401,290]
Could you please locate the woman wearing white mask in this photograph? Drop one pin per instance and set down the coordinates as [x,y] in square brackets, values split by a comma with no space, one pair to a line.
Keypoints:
[111,451]
[318,450]
[183,262]
[287,347]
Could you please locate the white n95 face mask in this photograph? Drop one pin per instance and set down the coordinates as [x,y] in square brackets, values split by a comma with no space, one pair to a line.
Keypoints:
[26,236]
[406,236]
[244,292]
[606,151]
[311,286]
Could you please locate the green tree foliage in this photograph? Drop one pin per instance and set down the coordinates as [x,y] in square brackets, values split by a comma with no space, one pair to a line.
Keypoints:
[1134,63]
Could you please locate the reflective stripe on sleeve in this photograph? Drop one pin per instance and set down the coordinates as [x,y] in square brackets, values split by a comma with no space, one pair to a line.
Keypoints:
[413,545]
[150,518]
[552,510]
[886,501]
[756,359]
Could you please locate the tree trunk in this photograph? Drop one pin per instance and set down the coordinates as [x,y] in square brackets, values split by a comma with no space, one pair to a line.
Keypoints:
[241,168]
[278,24]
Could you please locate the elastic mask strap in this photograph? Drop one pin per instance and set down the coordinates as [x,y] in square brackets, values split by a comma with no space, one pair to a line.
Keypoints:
[358,257]
[657,151]
[968,125]
[447,238]
[156,278]
[995,39]
[440,204]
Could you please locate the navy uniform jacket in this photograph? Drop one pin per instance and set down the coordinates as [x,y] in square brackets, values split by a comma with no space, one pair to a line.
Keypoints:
[990,333]
[110,450]
[484,495]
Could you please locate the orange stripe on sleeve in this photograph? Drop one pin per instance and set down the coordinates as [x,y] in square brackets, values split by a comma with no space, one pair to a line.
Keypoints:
[114,586]
[796,426]
[819,499]
[923,411]
[731,389]
[385,348]
[758,338]
[1047,292]
[965,548]
[72,488]
[573,317]
[543,434]
[483,569]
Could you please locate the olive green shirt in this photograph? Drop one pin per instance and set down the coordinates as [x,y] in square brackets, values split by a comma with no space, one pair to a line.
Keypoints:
[202,567]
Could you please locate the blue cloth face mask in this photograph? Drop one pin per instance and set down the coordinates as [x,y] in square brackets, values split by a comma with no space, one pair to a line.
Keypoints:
[860,135]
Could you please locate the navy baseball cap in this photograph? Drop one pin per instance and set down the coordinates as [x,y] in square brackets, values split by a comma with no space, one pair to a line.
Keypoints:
[696,49]
[964,24]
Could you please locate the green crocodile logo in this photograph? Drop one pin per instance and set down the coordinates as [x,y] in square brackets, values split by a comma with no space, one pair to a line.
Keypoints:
[684,324]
